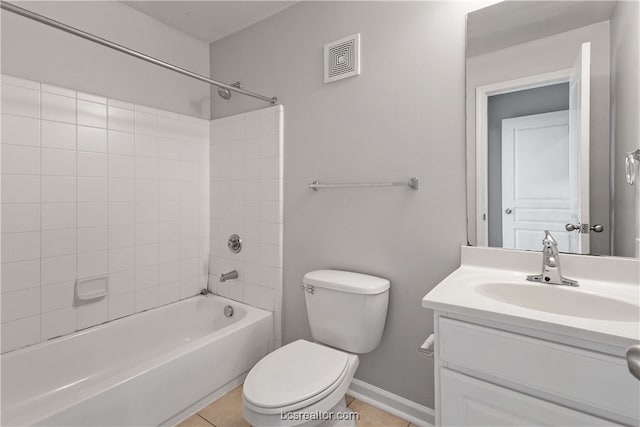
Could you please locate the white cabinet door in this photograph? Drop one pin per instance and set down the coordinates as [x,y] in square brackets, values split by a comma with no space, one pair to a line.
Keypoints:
[466,401]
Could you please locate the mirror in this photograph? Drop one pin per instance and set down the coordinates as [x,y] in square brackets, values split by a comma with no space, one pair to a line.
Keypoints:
[552,89]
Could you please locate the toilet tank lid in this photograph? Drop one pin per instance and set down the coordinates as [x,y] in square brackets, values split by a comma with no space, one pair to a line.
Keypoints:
[346,281]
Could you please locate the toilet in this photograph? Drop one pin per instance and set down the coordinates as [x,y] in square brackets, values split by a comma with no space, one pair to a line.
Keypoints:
[303,382]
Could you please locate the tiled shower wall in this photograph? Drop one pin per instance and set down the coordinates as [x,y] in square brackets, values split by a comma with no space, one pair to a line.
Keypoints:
[246,199]
[93,187]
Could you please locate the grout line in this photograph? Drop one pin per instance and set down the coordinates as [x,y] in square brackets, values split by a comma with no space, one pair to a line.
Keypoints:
[206,420]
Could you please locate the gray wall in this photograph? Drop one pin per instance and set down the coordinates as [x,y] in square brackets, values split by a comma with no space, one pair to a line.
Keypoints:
[625,126]
[403,117]
[34,51]
[499,107]
[542,56]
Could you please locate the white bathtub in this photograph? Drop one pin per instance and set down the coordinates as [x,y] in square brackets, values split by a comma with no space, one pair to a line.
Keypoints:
[137,371]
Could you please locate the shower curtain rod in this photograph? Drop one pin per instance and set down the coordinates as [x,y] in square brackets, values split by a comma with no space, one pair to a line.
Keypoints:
[83,34]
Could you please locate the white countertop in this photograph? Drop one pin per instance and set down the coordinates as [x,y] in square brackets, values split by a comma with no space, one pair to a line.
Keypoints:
[614,278]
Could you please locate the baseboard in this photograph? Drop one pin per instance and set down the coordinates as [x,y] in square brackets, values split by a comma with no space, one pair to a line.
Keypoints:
[392,403]
[183,415]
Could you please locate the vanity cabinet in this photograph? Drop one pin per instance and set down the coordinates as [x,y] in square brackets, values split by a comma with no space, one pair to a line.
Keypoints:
[490,373]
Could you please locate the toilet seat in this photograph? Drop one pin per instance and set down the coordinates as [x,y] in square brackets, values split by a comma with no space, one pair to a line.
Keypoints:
[295,376]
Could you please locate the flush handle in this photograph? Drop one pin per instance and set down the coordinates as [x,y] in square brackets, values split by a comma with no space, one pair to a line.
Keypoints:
[508,211]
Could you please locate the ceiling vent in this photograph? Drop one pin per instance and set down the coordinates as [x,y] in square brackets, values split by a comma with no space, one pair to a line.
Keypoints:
[342,58]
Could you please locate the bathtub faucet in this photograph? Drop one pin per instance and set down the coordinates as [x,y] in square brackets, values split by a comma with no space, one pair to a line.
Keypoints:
[228,276]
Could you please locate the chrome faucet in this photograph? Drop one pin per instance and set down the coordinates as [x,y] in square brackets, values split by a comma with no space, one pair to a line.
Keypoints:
[551,264]
[233,274]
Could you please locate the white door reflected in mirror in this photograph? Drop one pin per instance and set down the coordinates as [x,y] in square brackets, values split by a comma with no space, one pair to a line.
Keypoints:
[544,161]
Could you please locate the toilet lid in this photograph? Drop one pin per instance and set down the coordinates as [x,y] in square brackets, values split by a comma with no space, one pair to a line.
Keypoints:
[293,373]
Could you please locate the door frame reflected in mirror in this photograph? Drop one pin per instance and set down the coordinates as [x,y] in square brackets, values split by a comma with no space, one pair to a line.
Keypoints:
[482,137]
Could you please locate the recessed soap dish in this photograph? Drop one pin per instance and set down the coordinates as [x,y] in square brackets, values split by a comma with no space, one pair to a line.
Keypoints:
[92,288]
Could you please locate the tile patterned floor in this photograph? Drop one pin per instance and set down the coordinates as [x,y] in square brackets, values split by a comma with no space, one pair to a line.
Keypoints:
[227,412]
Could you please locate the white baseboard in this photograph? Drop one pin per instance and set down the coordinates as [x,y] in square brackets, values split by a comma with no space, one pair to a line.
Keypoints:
[392,403]
[183,415]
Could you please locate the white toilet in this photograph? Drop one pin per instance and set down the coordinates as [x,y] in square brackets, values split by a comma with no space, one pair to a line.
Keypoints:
[302,382]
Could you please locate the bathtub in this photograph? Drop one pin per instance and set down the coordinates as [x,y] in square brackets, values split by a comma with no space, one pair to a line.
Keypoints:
[146,369]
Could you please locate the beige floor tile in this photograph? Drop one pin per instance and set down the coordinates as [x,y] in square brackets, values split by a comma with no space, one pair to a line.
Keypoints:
[194,420]
[226,411]
[374,417]
[348,399]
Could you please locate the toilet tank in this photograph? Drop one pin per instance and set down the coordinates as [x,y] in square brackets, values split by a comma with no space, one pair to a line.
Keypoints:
[346,310]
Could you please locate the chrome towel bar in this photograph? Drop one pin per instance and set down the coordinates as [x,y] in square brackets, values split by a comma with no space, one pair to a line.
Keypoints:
[413,183]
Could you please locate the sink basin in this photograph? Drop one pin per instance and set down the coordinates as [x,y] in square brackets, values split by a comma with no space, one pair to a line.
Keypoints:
[561,300]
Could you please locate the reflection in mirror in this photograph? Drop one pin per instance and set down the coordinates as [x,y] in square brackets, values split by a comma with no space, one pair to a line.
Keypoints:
[552,89]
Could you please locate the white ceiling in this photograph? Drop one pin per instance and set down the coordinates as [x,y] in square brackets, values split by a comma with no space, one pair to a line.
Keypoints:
[209,20]
[513,22]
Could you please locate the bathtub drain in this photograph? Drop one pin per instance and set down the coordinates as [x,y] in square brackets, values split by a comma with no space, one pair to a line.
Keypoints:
[228,311]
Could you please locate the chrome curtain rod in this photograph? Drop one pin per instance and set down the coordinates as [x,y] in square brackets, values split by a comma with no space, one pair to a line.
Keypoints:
[99,40]
[413,183]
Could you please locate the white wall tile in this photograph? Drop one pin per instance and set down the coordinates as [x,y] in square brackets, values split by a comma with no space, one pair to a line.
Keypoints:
[91,97]
[20,246]
[58,108]
[147,189]
[20,159]
[121,236]
[58,269]
[100,169]
[92,239]
[17,81]
[121,282]
[19,130]
[146,168]
[146,254]
[92,164]
[20,333]
[190,286]
[168,293]
[146,145]
[58,242]
[92,139]
[121,119]
[20,275]
[58,162]
[121,143]
[169,272]
[20,101]
[121,189]
[120,305]
[92,114]
[121,166]
[58,296]
[58,90]
[146,277]
[147,211]
[58,323]
[146,299]
[121,213]
[19,304]
[20,217]
[58,215]
[91,314]
[20,189]
[92,189]
[121,259]
[146,123]
[58,135]
[57,189]
[92,214]
[92,264]
[121,104]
